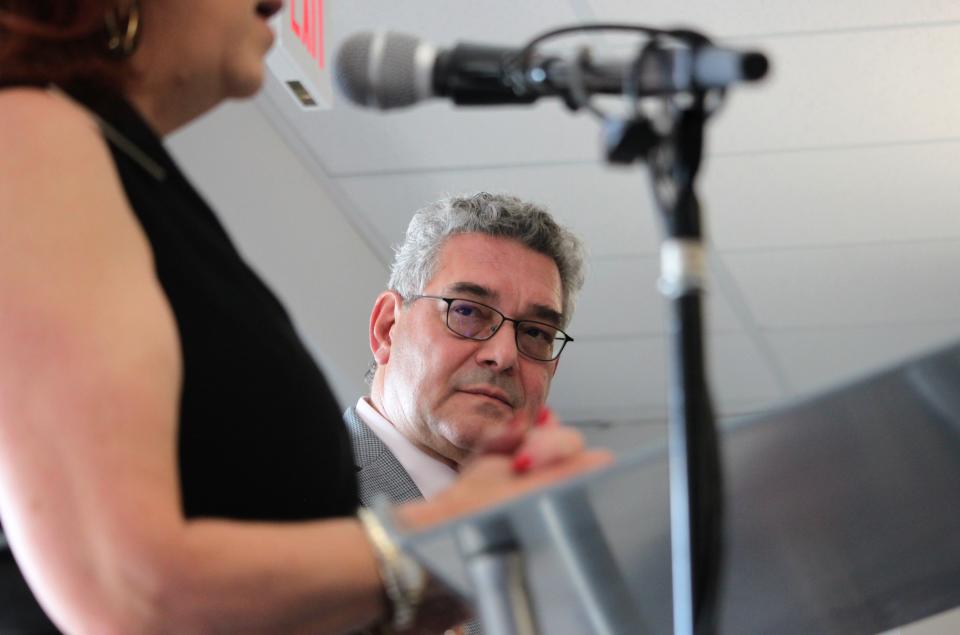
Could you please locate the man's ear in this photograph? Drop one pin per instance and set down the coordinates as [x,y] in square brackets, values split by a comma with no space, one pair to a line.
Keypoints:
[382,319]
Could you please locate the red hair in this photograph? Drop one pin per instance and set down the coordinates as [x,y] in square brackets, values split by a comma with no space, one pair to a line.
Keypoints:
[60,41]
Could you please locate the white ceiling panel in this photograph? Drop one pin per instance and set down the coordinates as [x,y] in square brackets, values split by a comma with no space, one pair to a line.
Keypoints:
[857,285]
[900,192]
[620,297]
[826,90]
[848,88]
[626,379]
[611,380]
[817,359]
[611,210]
[753,17]
[740,377]
[443,22]
[437,136]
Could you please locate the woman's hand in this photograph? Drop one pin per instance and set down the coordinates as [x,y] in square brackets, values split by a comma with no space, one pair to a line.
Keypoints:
[526,456]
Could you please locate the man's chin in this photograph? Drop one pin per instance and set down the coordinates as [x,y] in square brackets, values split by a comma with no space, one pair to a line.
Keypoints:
[475,433]
[493,412]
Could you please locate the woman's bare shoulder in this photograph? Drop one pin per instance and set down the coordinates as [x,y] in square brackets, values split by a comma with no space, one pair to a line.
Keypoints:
[53,152]
[50,144]
[58,182]
[34,116]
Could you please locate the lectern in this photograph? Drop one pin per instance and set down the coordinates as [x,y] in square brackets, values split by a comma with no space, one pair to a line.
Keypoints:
[843,517]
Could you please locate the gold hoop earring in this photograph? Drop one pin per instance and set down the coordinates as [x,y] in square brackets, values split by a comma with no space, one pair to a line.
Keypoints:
[122,41]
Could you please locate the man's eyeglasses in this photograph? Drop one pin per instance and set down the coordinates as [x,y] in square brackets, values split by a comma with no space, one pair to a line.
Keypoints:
[476,321]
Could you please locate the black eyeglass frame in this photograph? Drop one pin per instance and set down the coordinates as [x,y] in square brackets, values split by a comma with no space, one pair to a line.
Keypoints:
[563,336]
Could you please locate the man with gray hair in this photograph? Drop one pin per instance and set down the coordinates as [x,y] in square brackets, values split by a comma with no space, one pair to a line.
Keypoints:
[465,340]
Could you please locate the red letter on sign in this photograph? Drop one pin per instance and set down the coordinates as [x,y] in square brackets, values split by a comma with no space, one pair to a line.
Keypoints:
[293,20]
[319,14]
[309,35]
[310,27]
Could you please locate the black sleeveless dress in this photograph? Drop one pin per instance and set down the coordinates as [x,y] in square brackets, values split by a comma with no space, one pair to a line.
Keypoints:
[260,436]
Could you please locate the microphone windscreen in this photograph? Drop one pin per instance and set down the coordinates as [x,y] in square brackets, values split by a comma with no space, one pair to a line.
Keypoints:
[378,69]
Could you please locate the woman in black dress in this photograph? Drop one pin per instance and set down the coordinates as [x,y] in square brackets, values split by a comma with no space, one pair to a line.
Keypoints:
[171,459]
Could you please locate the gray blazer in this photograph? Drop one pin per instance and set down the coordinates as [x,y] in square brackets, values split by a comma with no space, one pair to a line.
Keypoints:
[378,470]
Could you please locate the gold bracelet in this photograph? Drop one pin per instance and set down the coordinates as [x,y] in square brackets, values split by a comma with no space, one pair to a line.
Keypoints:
[404,580]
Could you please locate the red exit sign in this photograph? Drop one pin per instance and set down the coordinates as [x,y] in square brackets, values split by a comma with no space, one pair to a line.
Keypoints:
[306,22]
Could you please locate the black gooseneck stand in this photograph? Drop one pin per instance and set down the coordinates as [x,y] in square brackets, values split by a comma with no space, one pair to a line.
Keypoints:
[671,144]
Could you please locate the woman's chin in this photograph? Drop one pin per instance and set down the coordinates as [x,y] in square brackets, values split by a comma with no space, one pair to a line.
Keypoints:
[247,85]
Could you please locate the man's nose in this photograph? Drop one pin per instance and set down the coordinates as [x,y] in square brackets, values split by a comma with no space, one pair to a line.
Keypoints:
[500,351]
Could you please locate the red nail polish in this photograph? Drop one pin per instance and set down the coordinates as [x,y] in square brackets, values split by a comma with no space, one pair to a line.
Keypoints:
[542,416]
[522,463]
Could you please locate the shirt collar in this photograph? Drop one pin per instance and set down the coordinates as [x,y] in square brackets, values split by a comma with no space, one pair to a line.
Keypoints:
[430,475]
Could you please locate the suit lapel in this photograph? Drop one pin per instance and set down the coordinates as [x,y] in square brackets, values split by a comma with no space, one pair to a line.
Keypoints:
[378,470]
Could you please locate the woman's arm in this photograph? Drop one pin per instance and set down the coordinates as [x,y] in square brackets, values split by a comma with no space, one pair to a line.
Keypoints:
[89,387]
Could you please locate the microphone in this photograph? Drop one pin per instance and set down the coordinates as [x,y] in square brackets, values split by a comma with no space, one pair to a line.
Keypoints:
[388,70]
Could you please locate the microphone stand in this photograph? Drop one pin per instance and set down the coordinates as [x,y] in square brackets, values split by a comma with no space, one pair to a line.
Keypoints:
[696,488]
[687,89]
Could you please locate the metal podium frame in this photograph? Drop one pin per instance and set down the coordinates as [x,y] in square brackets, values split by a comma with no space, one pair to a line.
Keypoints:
[844,517]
